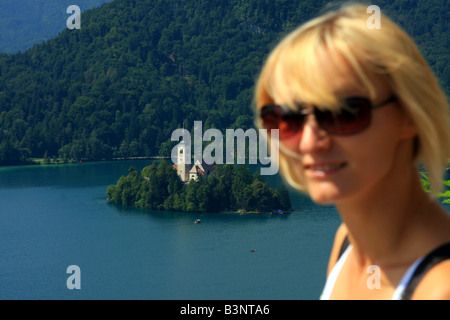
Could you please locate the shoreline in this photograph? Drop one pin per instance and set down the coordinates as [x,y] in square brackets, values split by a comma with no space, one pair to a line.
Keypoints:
[240,212]
[58,161]
[34,162]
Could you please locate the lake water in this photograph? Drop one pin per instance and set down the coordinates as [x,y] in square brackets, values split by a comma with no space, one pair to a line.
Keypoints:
[56,216]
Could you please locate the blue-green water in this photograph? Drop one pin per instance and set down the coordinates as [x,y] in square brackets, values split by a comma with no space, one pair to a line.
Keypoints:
[57,216]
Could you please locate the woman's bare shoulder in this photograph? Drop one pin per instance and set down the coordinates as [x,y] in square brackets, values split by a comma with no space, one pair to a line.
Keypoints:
[436,283]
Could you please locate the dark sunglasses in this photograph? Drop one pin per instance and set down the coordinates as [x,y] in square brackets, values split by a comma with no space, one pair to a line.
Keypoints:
[354,116]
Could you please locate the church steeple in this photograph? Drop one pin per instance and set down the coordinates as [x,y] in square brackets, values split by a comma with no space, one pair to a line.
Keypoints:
[182,167]
[183,160]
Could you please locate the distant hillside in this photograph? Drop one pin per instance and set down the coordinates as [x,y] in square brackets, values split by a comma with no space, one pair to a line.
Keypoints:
[24,23]
[138,68]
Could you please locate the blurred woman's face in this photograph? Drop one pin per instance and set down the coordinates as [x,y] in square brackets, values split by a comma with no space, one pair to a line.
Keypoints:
[339,168]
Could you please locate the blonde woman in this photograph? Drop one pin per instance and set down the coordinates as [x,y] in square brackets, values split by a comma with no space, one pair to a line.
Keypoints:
[357,110]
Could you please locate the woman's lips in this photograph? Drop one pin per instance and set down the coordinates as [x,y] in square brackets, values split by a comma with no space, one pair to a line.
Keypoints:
[322,170]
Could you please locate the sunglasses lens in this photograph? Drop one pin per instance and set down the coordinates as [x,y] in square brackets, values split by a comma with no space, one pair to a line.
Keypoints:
[352,118]
[270,117]
[288,124]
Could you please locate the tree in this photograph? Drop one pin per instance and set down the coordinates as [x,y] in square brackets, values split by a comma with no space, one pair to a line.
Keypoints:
[283,197]
[9,155]
[261,196]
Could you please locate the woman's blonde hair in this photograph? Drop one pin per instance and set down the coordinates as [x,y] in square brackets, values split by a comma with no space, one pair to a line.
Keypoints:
[293,72]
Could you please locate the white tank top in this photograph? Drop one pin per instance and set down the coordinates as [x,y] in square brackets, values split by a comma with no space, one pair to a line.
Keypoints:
[332,277]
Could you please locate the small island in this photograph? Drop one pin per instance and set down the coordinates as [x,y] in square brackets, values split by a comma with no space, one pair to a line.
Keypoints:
[229,188]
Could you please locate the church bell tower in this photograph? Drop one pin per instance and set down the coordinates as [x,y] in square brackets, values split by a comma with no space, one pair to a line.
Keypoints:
[182,167]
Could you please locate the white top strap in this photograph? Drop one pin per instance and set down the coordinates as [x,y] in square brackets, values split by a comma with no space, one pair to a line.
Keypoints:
[332,277]
[399,291]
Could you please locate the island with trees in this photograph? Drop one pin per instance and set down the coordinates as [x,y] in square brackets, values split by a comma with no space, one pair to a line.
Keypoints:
[230,188]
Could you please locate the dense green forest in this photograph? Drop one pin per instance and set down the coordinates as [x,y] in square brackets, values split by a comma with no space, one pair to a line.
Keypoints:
[138,69]
[229,188]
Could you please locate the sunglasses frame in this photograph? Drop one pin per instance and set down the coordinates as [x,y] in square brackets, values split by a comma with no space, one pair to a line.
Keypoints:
[316,111]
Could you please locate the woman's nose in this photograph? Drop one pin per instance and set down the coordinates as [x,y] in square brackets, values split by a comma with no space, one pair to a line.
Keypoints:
[314,139]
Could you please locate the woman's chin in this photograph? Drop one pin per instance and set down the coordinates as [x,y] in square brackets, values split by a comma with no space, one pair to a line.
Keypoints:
[322,200]
[325,195]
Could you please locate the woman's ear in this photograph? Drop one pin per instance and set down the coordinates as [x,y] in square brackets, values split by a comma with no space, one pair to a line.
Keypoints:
[409,128]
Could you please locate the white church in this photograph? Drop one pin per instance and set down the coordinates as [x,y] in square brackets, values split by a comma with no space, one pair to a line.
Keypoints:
[185,171]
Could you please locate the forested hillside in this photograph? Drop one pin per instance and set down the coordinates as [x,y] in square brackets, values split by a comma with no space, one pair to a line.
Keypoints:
[137,69]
